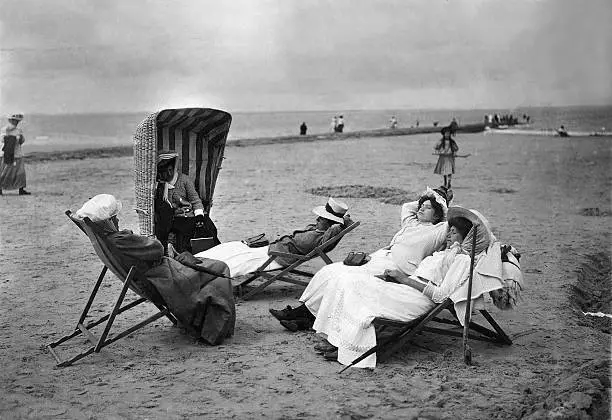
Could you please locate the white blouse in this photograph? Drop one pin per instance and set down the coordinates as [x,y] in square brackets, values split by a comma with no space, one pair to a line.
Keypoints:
[415,240]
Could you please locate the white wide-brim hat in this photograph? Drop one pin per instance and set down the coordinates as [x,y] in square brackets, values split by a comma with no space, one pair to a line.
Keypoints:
[100,207]
[334,210]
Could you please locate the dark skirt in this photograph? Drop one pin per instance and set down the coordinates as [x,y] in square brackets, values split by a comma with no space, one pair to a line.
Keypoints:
[12,176]
[200,301]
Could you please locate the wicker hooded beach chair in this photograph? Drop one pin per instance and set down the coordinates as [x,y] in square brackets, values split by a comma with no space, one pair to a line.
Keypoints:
[198,135]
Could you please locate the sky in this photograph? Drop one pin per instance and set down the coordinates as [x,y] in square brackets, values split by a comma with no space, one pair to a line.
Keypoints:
[71,56]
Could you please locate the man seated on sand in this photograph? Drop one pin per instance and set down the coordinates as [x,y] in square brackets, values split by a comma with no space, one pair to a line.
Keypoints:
[199,295]
[242,259]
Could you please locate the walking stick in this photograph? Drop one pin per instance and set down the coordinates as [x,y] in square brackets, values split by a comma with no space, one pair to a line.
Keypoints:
[467,351]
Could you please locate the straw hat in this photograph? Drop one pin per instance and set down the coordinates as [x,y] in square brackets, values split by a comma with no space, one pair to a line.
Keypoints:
[166,155]
[484,238]
[334,210]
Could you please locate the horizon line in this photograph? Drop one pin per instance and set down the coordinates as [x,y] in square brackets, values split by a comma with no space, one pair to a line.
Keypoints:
[328,110]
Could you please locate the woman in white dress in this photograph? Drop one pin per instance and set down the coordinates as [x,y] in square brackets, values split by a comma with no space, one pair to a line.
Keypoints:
[345,308]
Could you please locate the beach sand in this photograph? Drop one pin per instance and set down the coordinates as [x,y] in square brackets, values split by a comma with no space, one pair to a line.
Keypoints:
[534,191]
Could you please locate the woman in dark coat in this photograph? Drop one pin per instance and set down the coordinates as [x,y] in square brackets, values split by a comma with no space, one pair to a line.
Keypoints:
[198,292]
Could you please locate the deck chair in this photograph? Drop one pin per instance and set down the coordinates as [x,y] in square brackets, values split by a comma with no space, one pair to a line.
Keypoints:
[396,334]
[131,279]
[281,274]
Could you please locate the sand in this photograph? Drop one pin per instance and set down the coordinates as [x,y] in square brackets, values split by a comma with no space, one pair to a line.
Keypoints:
[533,190]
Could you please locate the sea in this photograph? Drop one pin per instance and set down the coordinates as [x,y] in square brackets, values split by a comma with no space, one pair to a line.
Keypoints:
[65,132]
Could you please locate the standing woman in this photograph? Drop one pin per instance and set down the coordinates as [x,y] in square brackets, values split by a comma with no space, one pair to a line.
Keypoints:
[12,169]
[446,150]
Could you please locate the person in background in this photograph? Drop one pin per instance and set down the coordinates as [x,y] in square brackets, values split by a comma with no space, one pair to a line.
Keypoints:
[393,122]
[446,149]
[303,129]
[334,124]
[340,124]
[12,169]
[562,132]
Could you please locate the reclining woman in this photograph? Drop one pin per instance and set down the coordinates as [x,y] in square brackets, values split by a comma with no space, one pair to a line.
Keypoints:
[198,295]
[179,210]
[423,231]
[344,313]
[243,259]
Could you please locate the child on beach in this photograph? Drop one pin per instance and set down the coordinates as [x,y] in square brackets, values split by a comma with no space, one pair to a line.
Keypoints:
[446,150]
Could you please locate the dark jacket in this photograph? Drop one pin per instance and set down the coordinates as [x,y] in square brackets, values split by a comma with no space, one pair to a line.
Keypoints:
[301,242]
[201,301]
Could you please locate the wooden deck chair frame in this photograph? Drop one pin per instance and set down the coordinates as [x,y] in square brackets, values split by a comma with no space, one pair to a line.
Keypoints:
[406,331]
[281,274]
[131,280]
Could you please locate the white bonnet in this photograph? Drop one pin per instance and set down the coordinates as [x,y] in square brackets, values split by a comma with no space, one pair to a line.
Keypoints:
[100,207]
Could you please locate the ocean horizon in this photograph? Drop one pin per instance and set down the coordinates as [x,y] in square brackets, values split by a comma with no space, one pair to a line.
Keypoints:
[66,132]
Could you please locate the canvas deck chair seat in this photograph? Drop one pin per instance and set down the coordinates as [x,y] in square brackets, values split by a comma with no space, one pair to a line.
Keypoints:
[392,335]
[198,136]
[284,274]
[395,334]
[131,279]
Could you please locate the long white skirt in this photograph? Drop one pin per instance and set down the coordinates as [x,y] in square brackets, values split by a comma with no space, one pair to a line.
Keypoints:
[240,259]
[345,301]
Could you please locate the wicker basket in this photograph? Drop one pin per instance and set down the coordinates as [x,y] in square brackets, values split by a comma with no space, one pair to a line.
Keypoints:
[198,135]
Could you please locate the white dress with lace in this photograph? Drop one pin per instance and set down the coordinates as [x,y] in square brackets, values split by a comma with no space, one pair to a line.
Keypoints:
[346,301]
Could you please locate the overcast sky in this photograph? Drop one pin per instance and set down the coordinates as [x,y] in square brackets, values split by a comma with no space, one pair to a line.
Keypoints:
[259,55]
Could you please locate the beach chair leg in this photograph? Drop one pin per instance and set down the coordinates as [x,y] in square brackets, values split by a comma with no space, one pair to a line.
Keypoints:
[392,345]
[92,296]
[501,335]
[113,314]
[259,288]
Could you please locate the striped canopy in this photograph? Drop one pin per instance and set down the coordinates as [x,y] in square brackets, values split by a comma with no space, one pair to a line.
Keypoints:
[198,135]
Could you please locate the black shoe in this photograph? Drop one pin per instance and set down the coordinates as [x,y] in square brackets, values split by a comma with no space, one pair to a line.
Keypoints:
[282,314]
[325,347]
[331,355]
[290,313]
[22,191]
[300,324]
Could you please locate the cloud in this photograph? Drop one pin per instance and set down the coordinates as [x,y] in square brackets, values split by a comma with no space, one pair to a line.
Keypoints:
[275,54]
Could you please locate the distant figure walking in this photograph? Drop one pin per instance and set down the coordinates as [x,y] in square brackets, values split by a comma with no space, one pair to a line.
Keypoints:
[454,125]
[393,122]
[446,149]
[334,124]
[562,132]
[12,169]
[303,129]
[340,124]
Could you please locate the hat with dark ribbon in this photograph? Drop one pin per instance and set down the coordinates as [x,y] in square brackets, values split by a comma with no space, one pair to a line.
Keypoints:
[333,210]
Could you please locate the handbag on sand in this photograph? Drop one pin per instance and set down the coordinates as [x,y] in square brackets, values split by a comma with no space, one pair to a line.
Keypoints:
[256,241]
[356,258]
